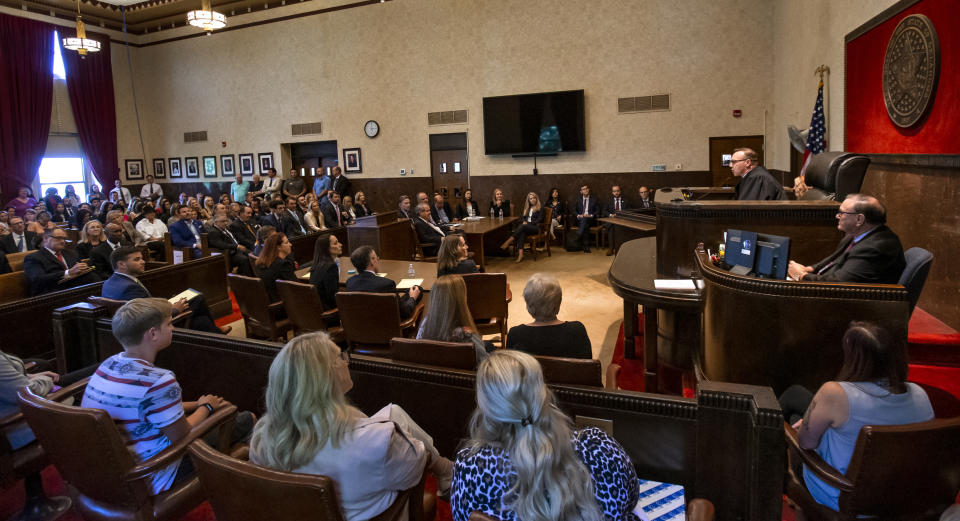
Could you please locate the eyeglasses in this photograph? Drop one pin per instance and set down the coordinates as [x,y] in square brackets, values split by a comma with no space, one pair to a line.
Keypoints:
[735,161]
[841,212]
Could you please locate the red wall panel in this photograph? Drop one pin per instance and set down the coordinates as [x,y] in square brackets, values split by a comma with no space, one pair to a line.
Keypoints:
[868,129]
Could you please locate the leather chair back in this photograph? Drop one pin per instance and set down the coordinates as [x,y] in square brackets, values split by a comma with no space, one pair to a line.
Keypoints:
[486,298]
[303,305]
[239,490]
[834,175]
[255,305]
[914,276]
[453,355]
[369,320]
[904,469]
[571,371]
[87,449]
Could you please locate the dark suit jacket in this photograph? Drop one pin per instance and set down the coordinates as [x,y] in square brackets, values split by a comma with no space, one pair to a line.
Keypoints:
[43,271]
[180,233]
[326,280]
[371,283]
[401,214]
[291,226]
[282,269]
[426,234]
[644,204]
[218,240]
[446,209]
[120,287]
[8,245]
[877,258]
[462,210]
[593,207]
[243,234]
[341,185]
[271,220]
[100,259]
[610,207]
[759,185]
[330,215]
[362,211]
[4,264]
[464,267]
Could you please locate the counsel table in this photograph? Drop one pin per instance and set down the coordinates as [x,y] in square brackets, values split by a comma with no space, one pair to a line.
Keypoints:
[394,269]
[486,230]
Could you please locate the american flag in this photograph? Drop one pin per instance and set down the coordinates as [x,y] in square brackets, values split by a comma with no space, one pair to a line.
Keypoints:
[816,139]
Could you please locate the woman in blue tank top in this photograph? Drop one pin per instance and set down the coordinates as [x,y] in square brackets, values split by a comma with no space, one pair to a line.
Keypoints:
[871,389]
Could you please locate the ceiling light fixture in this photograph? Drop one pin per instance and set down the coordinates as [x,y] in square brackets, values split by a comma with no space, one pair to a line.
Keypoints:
[80,42]
[206,18]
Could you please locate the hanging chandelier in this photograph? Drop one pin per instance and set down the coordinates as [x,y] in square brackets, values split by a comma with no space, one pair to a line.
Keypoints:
[80,42]
[206,18]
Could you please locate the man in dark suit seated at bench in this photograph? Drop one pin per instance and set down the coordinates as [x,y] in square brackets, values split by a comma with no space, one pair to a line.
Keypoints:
[128,264]
[19,239]
[367,263]
[46,267]
[428,232]
[869,251]
[185,233]
[221,239]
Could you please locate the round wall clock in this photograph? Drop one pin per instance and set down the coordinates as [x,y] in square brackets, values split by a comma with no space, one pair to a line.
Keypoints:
[911,68]
[371,128]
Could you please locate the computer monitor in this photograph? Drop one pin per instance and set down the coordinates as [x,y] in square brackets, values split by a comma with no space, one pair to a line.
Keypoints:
[773,254]
[740,251]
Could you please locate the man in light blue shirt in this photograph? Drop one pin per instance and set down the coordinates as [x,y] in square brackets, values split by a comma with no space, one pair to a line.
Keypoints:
[321,185]
[239,189]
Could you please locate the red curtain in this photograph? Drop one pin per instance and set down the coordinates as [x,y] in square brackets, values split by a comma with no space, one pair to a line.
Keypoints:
[26,99]
[90,84]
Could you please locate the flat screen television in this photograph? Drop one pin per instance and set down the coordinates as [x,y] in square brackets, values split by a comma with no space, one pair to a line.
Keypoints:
[543,123]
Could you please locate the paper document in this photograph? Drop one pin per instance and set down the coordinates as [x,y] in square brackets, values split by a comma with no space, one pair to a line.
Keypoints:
[185,294]
[660,502]
[674,284]
[409,283]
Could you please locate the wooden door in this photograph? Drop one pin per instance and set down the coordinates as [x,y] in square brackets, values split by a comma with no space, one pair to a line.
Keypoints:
[720,150]
[448,168]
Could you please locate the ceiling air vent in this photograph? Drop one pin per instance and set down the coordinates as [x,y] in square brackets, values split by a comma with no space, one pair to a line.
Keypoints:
[447,117]
[644,103]
[195,137]
[306,129]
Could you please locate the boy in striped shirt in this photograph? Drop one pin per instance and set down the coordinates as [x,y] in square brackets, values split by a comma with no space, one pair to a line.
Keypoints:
[144,400]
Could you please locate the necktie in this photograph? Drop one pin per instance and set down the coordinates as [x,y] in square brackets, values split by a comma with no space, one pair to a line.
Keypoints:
[617,206]
[196,235]
[337,208]
[585,207]
[834,261]
[60,258]
[226,231]
[20,243]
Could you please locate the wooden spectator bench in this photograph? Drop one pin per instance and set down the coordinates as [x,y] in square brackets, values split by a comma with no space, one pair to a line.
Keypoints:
[725,445]
[187,253]
[16,259]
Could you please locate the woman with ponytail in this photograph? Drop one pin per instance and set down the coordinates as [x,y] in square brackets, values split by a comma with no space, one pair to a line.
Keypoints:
[524,461]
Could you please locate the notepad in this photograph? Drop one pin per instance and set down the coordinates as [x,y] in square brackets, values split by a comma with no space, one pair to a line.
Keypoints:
[185,294]
[409,283]
[674,285]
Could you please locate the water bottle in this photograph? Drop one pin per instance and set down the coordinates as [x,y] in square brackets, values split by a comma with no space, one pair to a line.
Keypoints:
[501,214]
[410,271]
[491,212]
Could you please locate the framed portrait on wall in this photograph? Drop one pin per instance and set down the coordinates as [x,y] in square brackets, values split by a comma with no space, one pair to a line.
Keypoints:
[246,164]
[227,166]
[266,162]
[159,168]
[134,169]
[176,167]
[209,166]
[351,161]
[192,164]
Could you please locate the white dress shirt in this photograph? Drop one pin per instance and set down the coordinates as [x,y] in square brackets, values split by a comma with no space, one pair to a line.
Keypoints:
[123,192]
[146,190]
[154,230]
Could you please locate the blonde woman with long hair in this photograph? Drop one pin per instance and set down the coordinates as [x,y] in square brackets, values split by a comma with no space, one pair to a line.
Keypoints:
[523,460]
[311,428]
[529,224]
[448,316]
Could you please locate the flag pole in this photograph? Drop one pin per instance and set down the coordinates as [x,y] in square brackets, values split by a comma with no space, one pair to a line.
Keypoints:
[821,70]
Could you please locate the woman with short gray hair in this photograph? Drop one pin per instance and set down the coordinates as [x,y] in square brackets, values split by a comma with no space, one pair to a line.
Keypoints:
[547,335]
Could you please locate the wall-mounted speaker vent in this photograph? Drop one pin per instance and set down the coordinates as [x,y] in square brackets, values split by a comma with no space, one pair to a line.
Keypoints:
[195,137]
[644,103]
[306,129]
[447,117]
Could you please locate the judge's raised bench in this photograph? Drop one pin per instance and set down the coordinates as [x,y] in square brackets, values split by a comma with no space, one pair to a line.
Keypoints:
[726,445]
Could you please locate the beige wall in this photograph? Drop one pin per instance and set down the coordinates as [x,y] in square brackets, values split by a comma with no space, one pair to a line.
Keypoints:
[396,61]
[810,33]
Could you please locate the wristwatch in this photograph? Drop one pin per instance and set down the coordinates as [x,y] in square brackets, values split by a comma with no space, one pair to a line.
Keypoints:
[209,408]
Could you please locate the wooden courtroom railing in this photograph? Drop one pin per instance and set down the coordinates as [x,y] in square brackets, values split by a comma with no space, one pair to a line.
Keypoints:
[27,323]
[726,445]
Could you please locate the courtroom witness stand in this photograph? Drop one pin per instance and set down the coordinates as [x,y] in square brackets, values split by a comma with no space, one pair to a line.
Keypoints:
[144,400]
[367,263]
[529,224]
[547,335]
[325,270]
[311,428]
[403,208]
[756,183]
[19,239]
[46,268]
[428,232]
[91,235]
[448,316]
[618,203]
[587,208]
[545,471]
[871,389]
[499,207]
[869,251]
[314,218]
[274,263]
[220,238]
[186,232]
[559,210]
[360,207]
[244,228]
[468,207]
[151,191]
[100,256]
[124,284]
[453,257]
